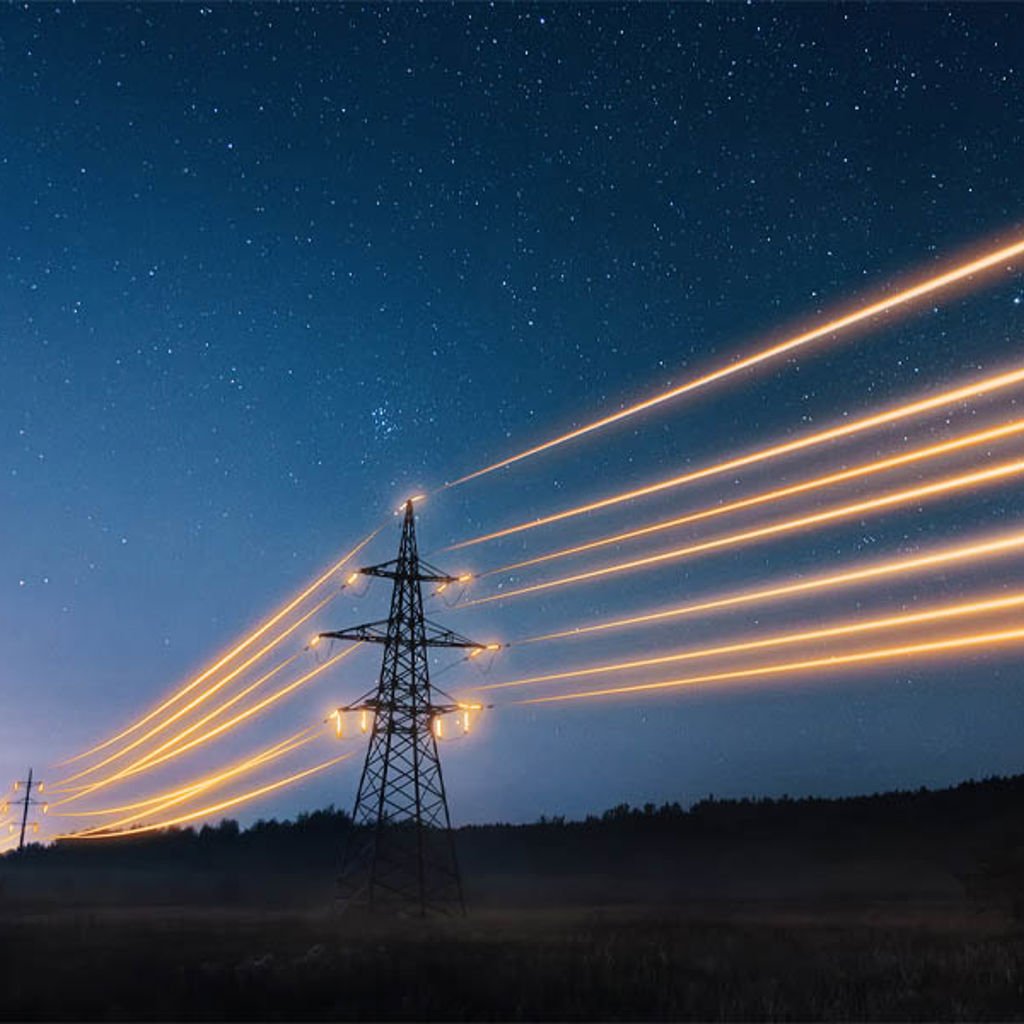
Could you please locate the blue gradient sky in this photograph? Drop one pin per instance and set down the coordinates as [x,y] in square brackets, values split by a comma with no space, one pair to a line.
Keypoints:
[268,269]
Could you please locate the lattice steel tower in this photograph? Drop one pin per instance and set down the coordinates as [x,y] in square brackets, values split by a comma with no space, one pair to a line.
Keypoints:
[402,849]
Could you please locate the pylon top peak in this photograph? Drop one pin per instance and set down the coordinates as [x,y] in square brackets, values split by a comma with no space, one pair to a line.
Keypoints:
[407,505]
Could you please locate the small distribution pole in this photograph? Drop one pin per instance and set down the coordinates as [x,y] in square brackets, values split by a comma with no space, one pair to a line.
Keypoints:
[402,848]
[26,802]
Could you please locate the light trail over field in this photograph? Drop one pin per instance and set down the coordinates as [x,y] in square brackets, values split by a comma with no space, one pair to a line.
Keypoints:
[927,287]
[891,499]
[980,606]
[816,483]
[286,746]
[882,654]
[241,646]
[203,696]
[209,716]
[162,754]
[235,801]
[982,386]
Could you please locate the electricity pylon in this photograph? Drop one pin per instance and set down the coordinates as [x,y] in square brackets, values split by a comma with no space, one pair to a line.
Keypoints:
[26,802]
[402,848]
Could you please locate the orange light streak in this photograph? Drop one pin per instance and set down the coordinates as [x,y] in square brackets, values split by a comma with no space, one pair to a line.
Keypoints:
[213,808]
[816,483]
[203,695]
[946,398]
[175,801]
[188,730]
[856,316]
[964,608]
[897,566]
[832,661]
[181,794]
[161,754]
[234,652]
[945,486]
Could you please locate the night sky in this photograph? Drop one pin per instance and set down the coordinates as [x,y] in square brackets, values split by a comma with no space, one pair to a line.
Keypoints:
[269,269]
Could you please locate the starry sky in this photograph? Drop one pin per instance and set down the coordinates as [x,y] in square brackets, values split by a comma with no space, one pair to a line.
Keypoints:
[268,269]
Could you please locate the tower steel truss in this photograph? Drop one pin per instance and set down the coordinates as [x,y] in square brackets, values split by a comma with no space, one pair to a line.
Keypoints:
[27,801]
[402,848]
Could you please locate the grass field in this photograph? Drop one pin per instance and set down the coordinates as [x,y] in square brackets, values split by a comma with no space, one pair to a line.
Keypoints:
[734,961]
[895,907]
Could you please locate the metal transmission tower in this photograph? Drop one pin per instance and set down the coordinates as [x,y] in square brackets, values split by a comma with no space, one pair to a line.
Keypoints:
[26,802]
[402,849]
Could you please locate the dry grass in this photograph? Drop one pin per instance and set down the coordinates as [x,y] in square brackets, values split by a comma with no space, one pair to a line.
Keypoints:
[724,962]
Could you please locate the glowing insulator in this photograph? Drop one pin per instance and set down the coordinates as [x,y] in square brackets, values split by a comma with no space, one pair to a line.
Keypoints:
[339,727]
[17,786]
[352,578]
[437,726]
[46,808]
[442,588]
[466,577]
[465,721]
[364,722]
[39,788]
[35,826]
[476,652]
[315,640]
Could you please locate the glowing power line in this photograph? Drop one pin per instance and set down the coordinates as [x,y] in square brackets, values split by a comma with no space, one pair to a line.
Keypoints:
[213,808]
[161,755]
[190,729]
[203,696]
[832,661]
[953,611]
[891,567]
[817,483]
[191,789]
[214,781]
[236,650]
[865,312]
[944,486]
[985,385]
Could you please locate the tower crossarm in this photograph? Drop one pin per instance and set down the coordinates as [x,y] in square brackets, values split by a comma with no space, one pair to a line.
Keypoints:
[440,636]
[373,705]
[435,636]
[390,571]
[369,632]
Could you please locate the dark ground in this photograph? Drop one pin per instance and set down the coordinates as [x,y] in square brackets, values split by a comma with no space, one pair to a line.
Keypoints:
[735,962]
[899,907]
